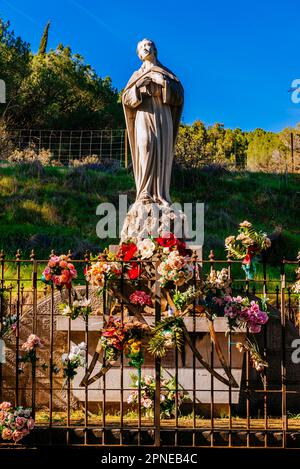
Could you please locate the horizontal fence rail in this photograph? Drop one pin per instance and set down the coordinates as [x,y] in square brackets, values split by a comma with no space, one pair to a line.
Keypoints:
[263,411]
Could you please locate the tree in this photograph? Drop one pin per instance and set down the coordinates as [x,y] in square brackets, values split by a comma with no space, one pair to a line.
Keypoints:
[62,91]
[14,66]
[44,40]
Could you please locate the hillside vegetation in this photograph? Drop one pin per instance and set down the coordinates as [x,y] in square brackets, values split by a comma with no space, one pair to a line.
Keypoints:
[55,208]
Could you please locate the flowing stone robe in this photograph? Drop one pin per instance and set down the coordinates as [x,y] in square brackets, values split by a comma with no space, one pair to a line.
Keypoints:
[152,117]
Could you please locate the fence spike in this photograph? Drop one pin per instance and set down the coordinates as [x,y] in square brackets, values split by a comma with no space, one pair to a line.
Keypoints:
[32,255]
[211,255]
[18,255]
[2,255]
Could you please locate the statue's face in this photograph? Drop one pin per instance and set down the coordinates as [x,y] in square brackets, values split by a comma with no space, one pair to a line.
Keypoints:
[146,50]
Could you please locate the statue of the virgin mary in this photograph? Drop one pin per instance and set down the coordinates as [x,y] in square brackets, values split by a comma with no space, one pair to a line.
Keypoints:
[153,102]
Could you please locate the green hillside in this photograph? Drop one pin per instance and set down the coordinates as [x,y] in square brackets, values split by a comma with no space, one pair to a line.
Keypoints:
[54,208]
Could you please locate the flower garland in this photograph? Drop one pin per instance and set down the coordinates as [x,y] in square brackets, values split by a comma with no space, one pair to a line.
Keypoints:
[59,272]
[15,423]
[247,245]
[174,266]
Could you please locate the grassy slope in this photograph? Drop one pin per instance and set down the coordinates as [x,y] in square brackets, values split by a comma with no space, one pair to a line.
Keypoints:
[57,209]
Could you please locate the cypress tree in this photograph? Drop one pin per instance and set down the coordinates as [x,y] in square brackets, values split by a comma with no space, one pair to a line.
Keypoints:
[44,40]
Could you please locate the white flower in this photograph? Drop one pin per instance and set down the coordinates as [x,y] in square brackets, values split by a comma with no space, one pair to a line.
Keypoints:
[146,248]
[72,357]
[85,302]
[64,358]
[82,346]
[147,403]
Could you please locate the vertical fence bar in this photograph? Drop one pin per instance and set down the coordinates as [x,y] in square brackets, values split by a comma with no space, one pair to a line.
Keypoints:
[230,366]
[86,336]
[104,364]
[34,324]
[157,362]
[18,264]
[212,358]
[194,358]
[122,364]
[126,148]
[283,352]
[265,352]
[51,361]
[2,304]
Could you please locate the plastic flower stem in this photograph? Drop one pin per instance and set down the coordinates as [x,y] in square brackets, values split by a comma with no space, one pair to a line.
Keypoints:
[221,357]
[199,357]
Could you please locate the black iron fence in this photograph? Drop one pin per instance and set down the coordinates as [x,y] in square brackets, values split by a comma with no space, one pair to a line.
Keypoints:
[262,411]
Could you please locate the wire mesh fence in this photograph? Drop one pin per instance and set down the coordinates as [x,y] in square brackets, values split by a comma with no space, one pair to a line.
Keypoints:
[66,146]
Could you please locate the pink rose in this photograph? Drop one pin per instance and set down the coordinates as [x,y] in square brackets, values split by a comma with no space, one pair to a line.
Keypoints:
[5,405]
[30,423]
[20,423]
[17,435]
[25,432]
[6,434]
[3,416]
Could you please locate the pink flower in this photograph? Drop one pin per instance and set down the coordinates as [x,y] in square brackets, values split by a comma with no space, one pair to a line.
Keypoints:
[30,423]
[140,298]
[6,434]
[20,423]
[254,327]
[17,435]
[25,432]
[262,317]
[56,280]
[238,299]
[5,405]
[218,301]
[3,416]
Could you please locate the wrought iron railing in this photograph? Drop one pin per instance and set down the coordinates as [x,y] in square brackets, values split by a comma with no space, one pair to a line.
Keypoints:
[262,411]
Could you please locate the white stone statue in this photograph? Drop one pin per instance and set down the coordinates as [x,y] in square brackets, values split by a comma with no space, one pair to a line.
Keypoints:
[153,102]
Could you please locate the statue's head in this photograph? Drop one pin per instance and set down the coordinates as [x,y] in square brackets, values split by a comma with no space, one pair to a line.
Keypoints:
[146,50]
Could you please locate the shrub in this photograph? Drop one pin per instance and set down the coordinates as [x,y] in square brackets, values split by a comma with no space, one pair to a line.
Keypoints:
[31,155]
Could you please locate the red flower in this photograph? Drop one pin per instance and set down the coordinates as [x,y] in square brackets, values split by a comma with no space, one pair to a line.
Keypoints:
[134,271]
[167,240]
[181,246]
[127,251]
[250,254]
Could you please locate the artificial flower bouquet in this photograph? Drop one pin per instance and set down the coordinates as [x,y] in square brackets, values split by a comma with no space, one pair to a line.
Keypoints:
[59,272]
[79,308]
[247,245]
[15,423]
[129,337]
[30,347]
[145,388]
[74,360]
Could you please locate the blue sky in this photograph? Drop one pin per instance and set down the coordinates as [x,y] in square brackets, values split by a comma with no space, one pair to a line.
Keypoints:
[236,59]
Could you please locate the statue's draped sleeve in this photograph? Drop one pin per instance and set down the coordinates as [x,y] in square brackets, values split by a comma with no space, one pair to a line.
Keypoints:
[172,95]
[132,97]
